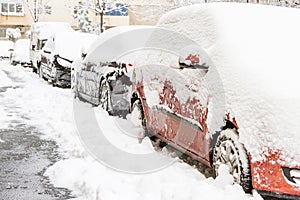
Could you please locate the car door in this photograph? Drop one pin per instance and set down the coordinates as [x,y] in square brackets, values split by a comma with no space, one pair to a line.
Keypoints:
[88,83]
[192,115]
[45,56]
[180,112]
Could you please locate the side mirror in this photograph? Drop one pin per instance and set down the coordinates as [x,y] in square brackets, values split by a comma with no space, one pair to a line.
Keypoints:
[47,50]
[83,55]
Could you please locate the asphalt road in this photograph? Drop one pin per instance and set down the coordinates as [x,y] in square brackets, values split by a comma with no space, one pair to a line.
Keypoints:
[24,157]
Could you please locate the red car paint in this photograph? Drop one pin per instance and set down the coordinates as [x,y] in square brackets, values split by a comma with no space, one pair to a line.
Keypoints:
[267,175]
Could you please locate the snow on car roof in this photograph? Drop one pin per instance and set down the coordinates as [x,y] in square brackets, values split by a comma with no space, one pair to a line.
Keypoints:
[255,50]
[46,29]
[100,50]
[69,44]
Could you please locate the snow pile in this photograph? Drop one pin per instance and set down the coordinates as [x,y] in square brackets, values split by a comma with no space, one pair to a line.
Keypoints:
[5,46]
[50,110]
[21,51]
[13,34]
[41,105]
[92,180]
[255,50]
[4,80]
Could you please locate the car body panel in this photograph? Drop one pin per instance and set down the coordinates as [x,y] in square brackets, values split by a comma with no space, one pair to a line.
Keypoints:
[262,101]
[40,32]
[88,83]
[59,52]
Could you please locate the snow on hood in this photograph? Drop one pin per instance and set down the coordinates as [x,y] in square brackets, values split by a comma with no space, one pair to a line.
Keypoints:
[255,50]
[69,44]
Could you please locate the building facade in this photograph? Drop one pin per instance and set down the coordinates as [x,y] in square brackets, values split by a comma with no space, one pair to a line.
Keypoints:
[22,13]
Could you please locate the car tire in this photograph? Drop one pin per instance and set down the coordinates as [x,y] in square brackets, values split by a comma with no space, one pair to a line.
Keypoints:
[104,97]
[54,84]
[75,91]
[39,70]
[138,117]
[229,151]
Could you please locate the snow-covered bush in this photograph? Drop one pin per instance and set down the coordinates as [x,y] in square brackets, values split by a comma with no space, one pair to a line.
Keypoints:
[81,13]
[13,34]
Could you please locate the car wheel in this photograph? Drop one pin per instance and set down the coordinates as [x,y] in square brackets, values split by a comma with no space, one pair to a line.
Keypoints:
[40,72]
[74,90]
[54,84]
[229,151]
[104,99]
[138,119]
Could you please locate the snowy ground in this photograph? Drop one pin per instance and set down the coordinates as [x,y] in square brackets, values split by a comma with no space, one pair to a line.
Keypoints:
[50,110]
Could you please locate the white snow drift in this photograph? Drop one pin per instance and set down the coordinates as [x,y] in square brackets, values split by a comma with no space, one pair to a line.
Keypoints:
[50,110]
[255,51]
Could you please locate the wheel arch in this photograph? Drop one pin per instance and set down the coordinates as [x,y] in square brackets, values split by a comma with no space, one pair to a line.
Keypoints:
[227,125]
[134,96]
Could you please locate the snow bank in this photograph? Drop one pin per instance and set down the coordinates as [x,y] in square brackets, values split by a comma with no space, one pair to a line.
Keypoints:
[50,110]
[21,50]
[255,50]
[4,80]
[92,180]
[5,45]
[40,105]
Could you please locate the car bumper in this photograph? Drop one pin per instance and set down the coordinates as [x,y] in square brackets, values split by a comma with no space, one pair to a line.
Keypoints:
[271,178]
[278,195]
[26,64]
[62,78]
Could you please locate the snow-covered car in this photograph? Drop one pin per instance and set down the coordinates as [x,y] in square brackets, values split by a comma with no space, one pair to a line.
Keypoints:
[20,53]
[102,81]
[235,101]
[39,33]
[5,48]
[59,52]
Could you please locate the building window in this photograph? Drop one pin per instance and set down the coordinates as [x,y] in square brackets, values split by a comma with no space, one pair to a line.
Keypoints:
[116,9]
[2,32]
[4,7]
[12,9]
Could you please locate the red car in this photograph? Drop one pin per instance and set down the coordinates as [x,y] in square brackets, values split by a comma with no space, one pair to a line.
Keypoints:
[234,102]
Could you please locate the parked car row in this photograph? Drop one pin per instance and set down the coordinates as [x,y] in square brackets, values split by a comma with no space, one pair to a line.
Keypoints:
[60,50]
[53,48]
[217,103]
[211,80]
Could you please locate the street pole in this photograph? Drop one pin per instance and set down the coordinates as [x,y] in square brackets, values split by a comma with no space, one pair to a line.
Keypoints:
[35,10]
[101,16]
